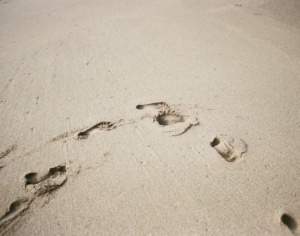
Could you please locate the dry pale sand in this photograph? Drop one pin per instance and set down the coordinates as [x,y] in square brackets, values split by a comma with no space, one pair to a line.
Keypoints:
[67,65]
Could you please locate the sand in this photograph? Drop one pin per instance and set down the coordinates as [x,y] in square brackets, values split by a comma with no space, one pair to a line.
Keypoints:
[149,117]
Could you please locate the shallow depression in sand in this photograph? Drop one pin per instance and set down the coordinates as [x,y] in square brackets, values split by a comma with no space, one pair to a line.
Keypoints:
[289,221]
[169,119]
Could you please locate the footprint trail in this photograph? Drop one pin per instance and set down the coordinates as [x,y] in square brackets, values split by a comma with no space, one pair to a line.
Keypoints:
[38,185]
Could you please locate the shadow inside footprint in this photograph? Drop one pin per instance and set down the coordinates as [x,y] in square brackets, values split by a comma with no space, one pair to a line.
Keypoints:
[47,183]
[168,119]
[289,221]
[32,178]
[229,148]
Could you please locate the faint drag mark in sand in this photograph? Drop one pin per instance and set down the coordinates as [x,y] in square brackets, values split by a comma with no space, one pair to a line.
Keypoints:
[104,125]
[8,150]
[55,139]
[15,209]
[44,184]
[62,136]
[169,120]
[52,140]
[229,148]
[4,2]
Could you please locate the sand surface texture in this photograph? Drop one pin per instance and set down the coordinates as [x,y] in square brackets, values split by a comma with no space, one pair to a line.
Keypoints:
[149,117]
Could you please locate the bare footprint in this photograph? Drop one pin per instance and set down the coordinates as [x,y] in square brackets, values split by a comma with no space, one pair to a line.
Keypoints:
[40,185]
[174,124]
[290,222]
[105,125]
[169,120]
[179,127]
[155,105]
[229,148]
[14,210]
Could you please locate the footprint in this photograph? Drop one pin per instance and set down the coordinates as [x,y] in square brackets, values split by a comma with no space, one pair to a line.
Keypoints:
[169,120]
[40,185]
[229,148]
[180,127]
[105,125]
[14,210]
[290,222]
[155,105]
[32,178]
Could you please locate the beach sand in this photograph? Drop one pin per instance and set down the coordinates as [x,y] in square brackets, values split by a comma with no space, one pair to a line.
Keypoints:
[150,117]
